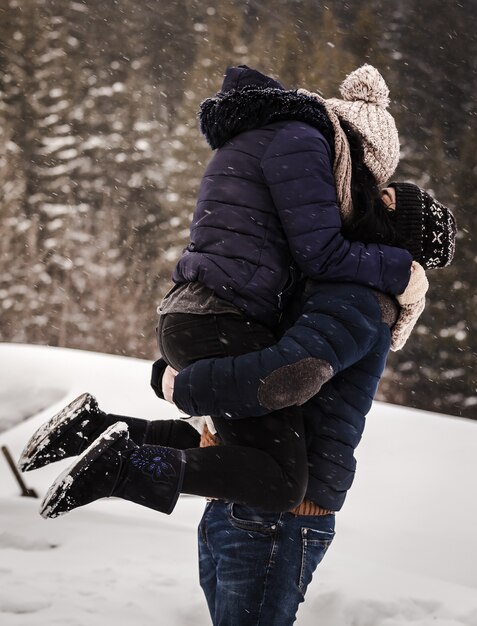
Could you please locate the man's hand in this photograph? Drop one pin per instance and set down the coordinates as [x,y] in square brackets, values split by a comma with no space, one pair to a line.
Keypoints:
[168,383]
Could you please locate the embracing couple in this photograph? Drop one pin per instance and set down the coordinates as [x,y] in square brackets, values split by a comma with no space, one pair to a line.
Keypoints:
[303,270]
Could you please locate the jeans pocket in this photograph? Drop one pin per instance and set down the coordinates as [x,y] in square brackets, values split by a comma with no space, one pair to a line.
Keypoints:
[251,519]
[315,543]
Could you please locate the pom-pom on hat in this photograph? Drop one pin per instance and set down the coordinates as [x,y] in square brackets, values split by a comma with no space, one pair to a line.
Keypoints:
[365,100]
[426,225]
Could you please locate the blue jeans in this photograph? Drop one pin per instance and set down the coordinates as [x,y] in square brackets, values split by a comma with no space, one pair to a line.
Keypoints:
[255,566]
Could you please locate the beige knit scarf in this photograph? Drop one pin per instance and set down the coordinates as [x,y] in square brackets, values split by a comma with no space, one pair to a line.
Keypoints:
[342,162]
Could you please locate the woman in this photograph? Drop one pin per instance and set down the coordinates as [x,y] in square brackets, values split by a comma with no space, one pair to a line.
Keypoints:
[273,155]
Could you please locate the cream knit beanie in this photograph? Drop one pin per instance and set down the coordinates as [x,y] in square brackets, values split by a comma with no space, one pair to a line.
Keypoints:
[365,100]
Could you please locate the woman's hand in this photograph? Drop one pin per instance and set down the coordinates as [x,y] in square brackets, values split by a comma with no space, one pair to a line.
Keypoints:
[416,288]
[168,383]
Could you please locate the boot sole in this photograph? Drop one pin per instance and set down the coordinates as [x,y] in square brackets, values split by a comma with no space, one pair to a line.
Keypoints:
[60,488]
[50,432]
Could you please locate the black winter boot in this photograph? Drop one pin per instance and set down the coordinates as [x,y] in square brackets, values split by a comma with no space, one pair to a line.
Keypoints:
[114,466]
[66,434]
[72,430]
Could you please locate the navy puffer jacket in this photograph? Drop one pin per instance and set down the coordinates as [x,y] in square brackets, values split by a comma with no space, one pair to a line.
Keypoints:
[267,208]
[330,362]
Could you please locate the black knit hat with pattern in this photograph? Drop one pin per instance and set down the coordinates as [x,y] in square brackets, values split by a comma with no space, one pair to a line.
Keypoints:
[427,226]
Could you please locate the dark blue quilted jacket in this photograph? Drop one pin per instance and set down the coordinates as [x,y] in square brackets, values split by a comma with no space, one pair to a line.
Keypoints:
[344,326]
[266,208]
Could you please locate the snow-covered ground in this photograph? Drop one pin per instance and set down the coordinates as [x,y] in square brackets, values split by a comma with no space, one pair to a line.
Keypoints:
[405,550]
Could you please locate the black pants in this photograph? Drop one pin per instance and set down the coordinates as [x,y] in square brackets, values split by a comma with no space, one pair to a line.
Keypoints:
[263,460]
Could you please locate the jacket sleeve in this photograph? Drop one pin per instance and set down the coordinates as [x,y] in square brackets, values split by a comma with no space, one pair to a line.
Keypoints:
[298,170]
[320,344]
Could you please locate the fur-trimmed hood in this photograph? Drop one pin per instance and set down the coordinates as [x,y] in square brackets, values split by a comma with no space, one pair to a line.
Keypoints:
[249,99]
